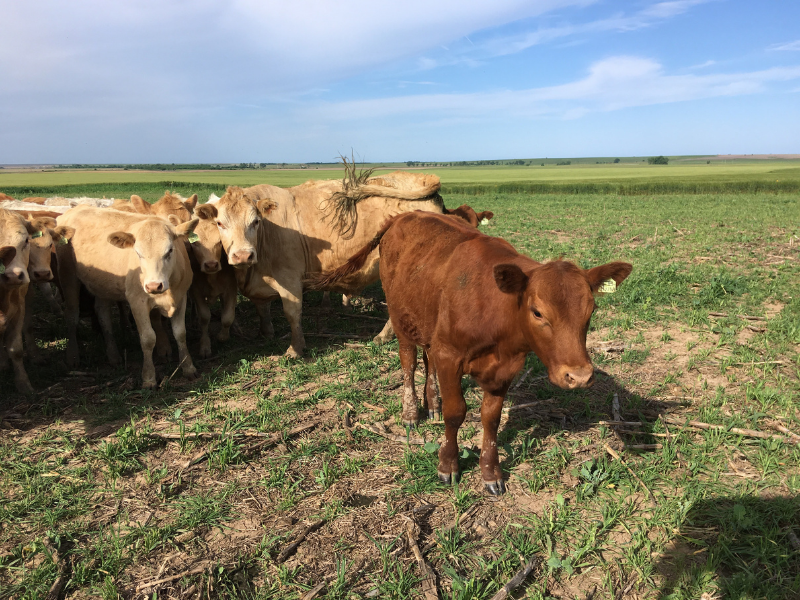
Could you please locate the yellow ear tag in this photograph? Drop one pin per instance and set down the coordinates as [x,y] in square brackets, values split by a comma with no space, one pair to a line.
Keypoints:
[2,269]
[38,234]
[484,221]
[63,241]
[193,237]
[609,287]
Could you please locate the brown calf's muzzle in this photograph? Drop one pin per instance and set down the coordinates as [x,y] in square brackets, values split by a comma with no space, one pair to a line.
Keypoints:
[211,267]
[571,378]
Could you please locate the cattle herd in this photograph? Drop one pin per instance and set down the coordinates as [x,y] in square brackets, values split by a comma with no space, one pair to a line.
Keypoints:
[471,302]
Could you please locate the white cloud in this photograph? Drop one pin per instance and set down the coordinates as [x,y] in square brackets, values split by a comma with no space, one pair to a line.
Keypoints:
[611,84]
[791,46]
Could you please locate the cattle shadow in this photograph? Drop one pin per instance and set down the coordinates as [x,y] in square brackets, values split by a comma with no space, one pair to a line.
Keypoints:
[734,547]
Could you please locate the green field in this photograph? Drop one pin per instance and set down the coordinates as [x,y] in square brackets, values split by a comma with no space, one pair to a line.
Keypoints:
[707,328]
[681,175]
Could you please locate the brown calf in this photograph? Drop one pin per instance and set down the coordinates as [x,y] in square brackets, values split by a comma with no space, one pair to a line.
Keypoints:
[15,245]
[477,307]
[469,215]
[213,277]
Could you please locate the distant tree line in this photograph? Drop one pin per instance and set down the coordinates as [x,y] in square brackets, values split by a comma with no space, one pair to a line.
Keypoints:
[658,160]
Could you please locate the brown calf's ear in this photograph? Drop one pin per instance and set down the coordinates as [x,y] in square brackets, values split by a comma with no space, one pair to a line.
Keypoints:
[62,234]
[122,239]
[206,212]
[510,278]
[141,206]
[486,214]
[186,228]
[7,254]
[191,202]
[617,271]
[266,206]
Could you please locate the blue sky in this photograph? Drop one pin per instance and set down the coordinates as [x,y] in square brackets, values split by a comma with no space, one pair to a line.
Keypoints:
[267,81]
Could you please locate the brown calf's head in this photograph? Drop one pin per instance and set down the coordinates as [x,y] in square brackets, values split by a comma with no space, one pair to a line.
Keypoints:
[467,213]
[555,303]
[155,243]
[207,248]
[238,219]
[15,232]
[169,204]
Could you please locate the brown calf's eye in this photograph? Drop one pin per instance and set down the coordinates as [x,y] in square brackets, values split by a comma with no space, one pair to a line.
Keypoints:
[536,313]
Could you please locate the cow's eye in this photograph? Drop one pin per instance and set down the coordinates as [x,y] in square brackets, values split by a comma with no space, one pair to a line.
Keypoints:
[254,223]
[536,313]
[169,252]
[220,225]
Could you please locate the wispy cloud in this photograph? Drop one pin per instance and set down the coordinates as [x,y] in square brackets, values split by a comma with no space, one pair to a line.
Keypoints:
[611,84]
[791,46]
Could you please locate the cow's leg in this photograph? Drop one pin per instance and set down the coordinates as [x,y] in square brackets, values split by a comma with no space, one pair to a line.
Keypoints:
[27,334]
[203,312]
[431,393]
[346,300]
[163,347]
[147,340]
[408,361]
[71,291]
[264,318]
[13,343]
[50,296]
[326,301]
[228,314]
[454,409]
[292,299]
[103,310]
[178,321]
[386,334]
[491,409]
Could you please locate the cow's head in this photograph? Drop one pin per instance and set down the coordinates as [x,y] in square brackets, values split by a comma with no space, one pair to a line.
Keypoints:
[238,219]
[207,248]
[556,301]
[47,233]
[155,242]
[169,204]
[467,213]
[15,232]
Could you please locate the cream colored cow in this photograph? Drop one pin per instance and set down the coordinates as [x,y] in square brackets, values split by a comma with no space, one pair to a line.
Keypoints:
[15,245]
[121,256]
[277,237]
[213,277]
[169,204]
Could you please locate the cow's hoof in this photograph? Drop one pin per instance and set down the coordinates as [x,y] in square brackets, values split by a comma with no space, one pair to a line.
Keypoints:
[191,373]
[449,478]
[434,414]
[495,488]
[24,387]
[148,385]
[205,351]
[292,353]
[223,336]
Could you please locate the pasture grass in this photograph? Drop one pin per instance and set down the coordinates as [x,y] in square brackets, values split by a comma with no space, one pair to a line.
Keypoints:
[89,492]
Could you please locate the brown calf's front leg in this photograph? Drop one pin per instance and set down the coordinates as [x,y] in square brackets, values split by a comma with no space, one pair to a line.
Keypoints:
[408,361]
[430,393]
[454,409]
[491,409]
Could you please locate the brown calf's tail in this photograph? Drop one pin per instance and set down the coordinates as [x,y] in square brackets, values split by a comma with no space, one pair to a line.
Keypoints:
[328,279]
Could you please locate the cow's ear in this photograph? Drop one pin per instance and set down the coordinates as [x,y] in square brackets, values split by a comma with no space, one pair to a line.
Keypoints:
[191,202]
[7,254]
[449,211]
[510,279]
[62,233]
[30,227]
[141,206]
[186,228]
[174,220]
[486,214]
[266,206]
[206,212]
[122,239]
[617,271]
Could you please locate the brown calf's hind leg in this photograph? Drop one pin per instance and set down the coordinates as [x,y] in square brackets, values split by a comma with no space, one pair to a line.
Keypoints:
[431,393]
[491,409]
[408,361]
[454,409]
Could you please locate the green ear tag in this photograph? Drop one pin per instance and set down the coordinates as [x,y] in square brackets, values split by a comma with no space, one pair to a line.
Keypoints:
[193,237]
[609,287]
[485,222]
[2,269]
[63,240]
[38,234]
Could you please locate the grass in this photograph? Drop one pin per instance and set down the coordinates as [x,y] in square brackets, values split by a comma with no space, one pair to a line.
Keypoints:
[81,473]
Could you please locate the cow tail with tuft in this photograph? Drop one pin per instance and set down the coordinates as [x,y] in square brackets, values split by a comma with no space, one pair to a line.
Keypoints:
[328,279]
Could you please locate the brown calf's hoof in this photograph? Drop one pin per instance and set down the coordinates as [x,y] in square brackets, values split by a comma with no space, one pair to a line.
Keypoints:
[495,488]
[449,478]
[434,414]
